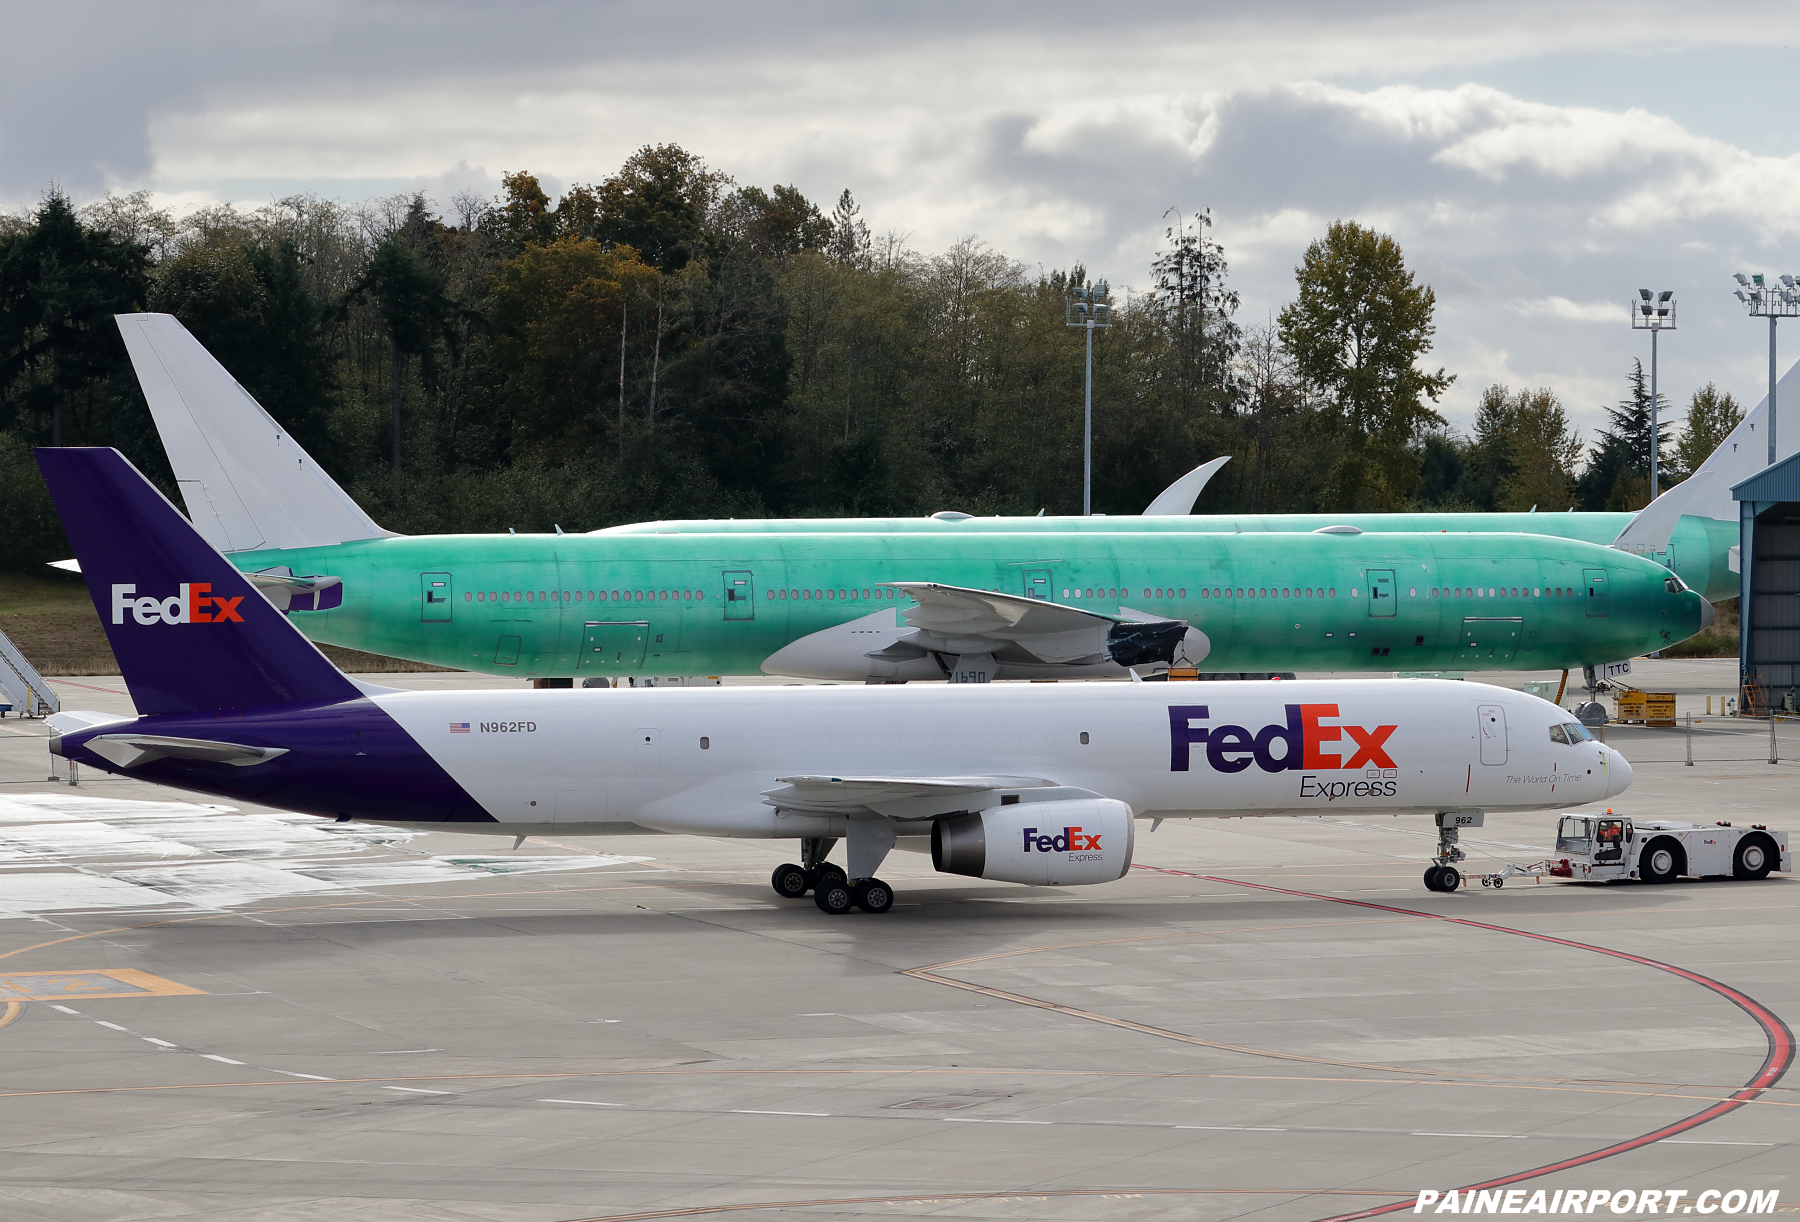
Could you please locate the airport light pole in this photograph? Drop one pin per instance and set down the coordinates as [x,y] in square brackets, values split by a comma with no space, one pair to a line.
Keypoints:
[1087,307]
[1655,315]
[1773,302]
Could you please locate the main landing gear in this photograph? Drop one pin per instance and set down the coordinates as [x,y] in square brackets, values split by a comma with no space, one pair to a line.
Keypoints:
[833,892]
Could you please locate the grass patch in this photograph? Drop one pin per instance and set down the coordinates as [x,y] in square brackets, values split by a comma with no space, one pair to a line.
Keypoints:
[50,617]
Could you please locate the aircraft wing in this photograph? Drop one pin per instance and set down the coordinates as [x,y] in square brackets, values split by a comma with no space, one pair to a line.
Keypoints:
[957,620]
[903,797]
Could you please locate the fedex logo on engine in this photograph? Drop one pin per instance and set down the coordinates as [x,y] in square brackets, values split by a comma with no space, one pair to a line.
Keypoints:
[1235,748]
[193,605]
[1072,840]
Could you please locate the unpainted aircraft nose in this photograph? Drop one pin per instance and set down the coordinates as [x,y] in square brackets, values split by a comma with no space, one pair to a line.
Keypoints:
[1706,615]
[1618,773]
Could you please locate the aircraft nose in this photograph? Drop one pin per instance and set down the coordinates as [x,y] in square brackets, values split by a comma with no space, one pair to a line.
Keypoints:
[1618,773]
[1706,615]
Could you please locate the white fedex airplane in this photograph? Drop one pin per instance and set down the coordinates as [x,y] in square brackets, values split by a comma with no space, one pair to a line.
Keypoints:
[1027,783]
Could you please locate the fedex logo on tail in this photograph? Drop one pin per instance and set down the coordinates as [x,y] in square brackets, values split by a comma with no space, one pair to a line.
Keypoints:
[1072,840]
[1301,742]
[193,605]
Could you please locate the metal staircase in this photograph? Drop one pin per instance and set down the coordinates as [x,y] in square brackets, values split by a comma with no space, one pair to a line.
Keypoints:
[21,686]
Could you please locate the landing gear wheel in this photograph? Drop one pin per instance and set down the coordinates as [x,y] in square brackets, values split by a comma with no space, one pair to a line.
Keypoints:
[1442,878]
[1753,860]
[821,874]
[1661,862]
[1499,883]
[832,894]
[873,895]
[790,882]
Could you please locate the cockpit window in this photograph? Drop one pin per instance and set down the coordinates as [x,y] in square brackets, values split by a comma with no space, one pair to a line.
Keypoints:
[1575,732]
[1557,735]
[1674,584]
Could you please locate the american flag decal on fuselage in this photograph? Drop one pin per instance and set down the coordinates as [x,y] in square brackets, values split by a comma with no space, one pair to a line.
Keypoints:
[459,727]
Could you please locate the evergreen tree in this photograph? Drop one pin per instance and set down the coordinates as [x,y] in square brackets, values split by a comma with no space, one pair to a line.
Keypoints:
[1618,471]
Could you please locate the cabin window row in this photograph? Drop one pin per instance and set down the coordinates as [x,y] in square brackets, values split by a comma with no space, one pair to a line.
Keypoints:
[576,596]
[832,595]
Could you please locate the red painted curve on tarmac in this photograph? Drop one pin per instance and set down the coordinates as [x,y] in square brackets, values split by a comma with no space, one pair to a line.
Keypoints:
[1780,1055]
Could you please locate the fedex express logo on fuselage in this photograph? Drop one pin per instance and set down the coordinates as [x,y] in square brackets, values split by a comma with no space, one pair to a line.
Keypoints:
[1235,748]
[193,605]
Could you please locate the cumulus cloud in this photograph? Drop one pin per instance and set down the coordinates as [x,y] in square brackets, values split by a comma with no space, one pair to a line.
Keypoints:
[1057,134]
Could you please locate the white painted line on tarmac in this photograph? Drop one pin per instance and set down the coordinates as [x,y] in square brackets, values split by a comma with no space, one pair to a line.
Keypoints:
[1495,1136]
[583,1102]
[1229,1128]
[101,1021]
[983,1120]
[151,1039]
[1675,1141]
[414,1090]
[750,1111]
[311,1077]
[213,1056]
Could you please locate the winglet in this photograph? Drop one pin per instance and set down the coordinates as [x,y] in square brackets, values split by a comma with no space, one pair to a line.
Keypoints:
[248,485]
[190,631]
[1179,497]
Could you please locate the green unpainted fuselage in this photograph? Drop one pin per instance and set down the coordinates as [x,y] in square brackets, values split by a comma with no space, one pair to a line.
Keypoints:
[1698,550]
[682,603]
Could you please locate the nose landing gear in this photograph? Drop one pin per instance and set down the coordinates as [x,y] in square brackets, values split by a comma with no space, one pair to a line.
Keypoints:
[1442,874]
[1442,877]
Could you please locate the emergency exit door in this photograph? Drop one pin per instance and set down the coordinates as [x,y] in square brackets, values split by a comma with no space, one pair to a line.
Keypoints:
[1492,731]
[615,646]
[1381,593]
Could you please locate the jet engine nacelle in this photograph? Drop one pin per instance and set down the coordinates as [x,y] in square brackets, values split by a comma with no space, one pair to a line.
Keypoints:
[1059,844]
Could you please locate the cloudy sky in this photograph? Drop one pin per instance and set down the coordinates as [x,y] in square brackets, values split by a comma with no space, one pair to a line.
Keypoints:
[1538,162]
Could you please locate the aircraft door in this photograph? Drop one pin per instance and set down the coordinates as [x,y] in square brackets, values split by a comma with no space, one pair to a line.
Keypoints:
[435,590]
[1037,584]
[1599,601]
[613,647]
[1492,729]
[1381,593]
[740,594]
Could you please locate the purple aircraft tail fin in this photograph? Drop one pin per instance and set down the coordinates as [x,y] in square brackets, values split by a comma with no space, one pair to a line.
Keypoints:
[190,631]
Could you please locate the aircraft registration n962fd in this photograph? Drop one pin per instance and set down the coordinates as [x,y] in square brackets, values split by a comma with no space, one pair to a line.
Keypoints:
[876,604]
[1023,783]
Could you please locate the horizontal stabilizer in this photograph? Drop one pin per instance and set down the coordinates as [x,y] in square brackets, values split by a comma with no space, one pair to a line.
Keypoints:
[133,750]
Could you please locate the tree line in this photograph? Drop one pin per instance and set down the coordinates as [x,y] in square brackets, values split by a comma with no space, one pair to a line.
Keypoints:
[669,343]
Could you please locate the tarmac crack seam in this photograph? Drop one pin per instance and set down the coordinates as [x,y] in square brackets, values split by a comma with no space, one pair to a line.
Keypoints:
[1776,1061]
